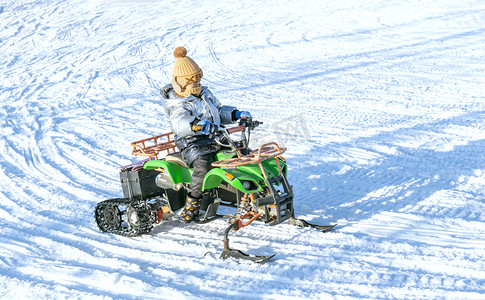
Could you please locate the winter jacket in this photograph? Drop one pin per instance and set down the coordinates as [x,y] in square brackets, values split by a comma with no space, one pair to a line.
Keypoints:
[184,111]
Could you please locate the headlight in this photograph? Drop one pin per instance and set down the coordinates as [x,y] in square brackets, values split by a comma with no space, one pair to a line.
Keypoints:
[249,185]
[246,185]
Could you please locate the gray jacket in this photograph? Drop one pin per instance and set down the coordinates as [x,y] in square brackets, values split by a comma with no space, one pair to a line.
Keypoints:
[183,111]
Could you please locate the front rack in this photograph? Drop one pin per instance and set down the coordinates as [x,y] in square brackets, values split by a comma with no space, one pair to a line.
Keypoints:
[264,152]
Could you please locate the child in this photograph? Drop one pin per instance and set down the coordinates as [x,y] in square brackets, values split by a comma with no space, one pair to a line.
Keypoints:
[194,115]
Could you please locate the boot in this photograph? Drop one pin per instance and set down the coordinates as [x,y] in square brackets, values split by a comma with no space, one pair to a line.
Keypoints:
[191,209]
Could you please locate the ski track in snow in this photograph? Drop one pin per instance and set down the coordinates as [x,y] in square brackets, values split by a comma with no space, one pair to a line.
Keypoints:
[379,102]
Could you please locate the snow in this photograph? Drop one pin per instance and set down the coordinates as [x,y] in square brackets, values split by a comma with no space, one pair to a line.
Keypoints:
[380,104]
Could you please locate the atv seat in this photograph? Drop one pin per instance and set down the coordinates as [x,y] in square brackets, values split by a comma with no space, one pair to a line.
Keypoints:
[177,158]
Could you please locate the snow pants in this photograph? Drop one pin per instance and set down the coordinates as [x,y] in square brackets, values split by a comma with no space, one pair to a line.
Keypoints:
[201,165]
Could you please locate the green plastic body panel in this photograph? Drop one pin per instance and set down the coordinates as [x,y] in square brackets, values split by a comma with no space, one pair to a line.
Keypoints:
[177,173]
[224,154]
[251,172]
[213,179]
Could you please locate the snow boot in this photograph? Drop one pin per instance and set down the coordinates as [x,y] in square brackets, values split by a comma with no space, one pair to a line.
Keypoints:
[191,209]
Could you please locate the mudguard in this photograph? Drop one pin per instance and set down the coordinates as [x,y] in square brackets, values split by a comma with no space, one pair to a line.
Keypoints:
[233,177]
[177,173]
[237,176]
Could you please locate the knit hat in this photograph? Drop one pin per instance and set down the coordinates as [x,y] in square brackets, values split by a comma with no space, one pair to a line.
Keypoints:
[186,74]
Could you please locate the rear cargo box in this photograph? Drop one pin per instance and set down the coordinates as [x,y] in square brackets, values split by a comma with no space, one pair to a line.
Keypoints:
[139,184]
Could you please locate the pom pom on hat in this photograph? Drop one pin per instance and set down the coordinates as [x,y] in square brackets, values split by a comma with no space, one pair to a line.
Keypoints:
[180,52]
[184,66]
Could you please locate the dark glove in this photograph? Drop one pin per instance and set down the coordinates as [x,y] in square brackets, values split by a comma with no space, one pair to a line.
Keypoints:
[242,115]
[204,127]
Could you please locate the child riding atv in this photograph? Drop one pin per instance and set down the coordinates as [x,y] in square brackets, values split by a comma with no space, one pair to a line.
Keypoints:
[194,115]
[252,182]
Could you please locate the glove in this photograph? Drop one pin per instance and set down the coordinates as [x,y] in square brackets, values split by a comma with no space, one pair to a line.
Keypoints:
[242,115]
[204,127]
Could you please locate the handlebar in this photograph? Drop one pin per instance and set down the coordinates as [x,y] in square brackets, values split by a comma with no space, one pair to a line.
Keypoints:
[249,123]
[245,123]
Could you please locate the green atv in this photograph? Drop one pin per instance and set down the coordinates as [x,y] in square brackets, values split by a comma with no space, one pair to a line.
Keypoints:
[253,183]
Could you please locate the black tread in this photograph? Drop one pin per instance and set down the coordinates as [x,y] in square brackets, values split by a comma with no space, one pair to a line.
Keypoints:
[124,228]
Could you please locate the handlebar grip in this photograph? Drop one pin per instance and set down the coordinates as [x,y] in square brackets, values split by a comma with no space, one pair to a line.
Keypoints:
[197,127]
[236,129]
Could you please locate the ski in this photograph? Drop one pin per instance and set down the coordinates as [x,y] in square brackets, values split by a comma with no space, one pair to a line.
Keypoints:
[237,254]
[303,223]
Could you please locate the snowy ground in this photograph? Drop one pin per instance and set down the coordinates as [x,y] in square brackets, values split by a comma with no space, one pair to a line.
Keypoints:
[385,116]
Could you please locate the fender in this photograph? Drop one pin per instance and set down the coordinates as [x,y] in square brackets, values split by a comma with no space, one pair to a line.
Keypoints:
[271,166]
[177,173]
[234,177]
[237,176]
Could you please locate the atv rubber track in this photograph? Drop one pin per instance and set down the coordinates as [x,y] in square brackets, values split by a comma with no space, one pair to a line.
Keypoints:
[111,219]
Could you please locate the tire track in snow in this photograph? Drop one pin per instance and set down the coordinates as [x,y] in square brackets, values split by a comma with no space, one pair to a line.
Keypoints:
[215,59]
